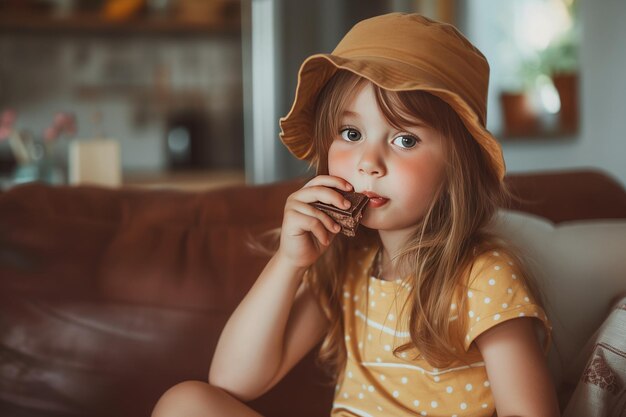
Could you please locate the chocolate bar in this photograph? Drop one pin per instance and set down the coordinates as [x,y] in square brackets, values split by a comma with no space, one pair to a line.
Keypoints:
[350,218]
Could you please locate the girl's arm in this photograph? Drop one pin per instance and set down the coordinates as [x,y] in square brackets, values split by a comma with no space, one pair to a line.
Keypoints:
[279,321]
[262,340]
[517,370]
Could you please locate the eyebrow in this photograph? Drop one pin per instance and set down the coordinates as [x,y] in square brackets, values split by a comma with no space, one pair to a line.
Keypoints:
[414,123]
[348,113]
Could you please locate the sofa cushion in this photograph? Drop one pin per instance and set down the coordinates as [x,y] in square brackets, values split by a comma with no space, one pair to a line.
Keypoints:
[580,267]
[104,293]
[163,248]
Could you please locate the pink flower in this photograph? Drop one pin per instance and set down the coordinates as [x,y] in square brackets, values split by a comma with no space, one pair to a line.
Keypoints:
[70,126]
[5,133]
[64,123]
[60,119]
[7,119]
[51,133]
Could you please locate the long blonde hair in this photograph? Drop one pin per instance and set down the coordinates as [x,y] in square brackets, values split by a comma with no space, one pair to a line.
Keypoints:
[449,237]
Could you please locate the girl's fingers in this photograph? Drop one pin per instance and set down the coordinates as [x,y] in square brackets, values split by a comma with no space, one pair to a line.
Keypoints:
[324,218]
[301,217]
[330,181]
[321,193]
[321,188]
[313,225]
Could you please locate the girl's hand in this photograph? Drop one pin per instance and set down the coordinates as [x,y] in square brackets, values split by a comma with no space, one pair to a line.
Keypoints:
[306,231]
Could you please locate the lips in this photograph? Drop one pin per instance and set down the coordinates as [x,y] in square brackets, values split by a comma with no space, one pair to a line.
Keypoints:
[375,200]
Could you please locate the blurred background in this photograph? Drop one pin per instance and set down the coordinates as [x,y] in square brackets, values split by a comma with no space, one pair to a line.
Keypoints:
[188,93]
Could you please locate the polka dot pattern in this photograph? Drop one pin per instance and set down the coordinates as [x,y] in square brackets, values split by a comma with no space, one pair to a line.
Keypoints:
[496,282]
[379,383]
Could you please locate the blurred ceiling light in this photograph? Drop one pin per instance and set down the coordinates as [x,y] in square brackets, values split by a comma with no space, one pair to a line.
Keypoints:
[540,22]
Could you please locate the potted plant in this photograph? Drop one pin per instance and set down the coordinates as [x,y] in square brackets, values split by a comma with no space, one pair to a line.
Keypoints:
[519,115]
[542,95]
[560,62]
[36,156]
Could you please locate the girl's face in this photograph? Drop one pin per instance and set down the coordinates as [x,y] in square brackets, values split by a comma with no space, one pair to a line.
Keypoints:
[399,169]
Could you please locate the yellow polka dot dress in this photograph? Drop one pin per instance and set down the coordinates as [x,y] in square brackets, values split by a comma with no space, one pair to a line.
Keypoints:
[377,384]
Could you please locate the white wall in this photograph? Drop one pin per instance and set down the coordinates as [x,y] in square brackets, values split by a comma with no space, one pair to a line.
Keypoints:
[601,141]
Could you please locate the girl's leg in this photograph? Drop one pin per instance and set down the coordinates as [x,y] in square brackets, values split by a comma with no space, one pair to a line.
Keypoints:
[199,399]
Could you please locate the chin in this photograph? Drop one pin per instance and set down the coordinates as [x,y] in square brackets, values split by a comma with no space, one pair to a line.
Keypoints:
[383,224]
[377,224]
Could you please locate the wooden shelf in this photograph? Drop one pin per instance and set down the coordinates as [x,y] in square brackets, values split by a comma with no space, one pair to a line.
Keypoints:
[96,24]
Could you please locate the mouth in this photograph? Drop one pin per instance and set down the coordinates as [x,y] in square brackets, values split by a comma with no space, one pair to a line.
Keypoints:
[375,200]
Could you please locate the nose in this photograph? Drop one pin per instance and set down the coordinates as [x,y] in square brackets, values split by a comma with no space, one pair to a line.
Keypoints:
[371,162]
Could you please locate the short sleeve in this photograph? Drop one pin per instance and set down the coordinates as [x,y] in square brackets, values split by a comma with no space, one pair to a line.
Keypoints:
[496,292]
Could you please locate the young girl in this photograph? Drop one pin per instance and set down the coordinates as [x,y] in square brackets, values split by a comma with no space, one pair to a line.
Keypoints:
[424,312]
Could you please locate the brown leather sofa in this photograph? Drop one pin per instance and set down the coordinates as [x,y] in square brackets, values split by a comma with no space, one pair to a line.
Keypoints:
[108,297]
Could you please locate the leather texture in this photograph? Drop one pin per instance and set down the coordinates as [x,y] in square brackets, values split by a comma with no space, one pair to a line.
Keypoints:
[110,296]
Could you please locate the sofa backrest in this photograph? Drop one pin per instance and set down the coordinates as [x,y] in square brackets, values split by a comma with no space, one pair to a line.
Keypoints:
[566,195]
[580,267]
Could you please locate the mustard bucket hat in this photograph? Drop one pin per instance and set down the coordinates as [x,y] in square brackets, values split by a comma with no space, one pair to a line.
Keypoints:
[399,52]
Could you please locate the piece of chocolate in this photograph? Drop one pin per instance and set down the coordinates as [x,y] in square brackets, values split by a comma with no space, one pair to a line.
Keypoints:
[350,218]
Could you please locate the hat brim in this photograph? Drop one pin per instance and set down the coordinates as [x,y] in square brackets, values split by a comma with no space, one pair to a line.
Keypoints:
[297,126]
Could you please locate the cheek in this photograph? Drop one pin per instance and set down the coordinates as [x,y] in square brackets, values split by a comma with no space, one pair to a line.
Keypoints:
[421,177]
[339,162]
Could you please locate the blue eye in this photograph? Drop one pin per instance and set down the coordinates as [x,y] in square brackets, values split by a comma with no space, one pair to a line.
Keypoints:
[405,141]
[350,134]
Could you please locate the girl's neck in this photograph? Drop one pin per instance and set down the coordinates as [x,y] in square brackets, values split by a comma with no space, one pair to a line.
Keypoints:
[382,267]
[390,244]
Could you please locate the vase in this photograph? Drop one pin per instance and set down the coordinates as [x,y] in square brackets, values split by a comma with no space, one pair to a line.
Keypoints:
[43,170]
[519,117]
[566,85]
